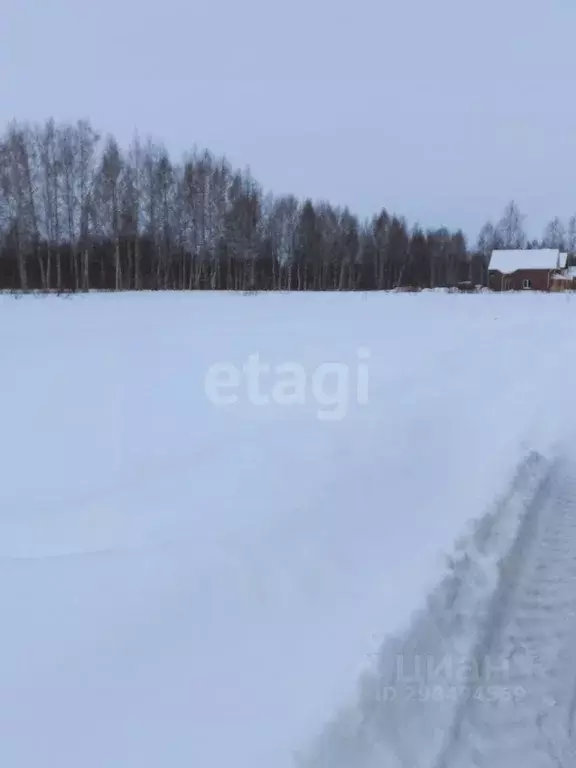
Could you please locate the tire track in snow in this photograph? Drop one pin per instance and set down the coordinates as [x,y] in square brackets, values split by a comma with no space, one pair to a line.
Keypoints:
[508,609]
[533,617]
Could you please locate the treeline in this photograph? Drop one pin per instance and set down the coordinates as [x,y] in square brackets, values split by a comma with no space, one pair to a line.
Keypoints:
[78,213]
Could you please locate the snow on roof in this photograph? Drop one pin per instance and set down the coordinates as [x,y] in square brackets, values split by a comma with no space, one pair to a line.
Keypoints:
[543,258]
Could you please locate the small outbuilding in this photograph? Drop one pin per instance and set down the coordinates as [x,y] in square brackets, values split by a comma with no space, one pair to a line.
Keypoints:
[564,281]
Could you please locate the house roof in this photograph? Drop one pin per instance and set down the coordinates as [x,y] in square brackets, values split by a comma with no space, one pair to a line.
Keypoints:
[543,258]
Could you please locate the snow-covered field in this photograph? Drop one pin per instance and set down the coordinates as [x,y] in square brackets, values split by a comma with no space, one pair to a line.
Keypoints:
[185,582]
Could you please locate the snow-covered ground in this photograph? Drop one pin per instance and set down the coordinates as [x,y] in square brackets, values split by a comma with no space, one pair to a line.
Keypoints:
[186,583]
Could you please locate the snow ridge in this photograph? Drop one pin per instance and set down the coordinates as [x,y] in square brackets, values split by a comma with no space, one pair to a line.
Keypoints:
[536,617]
[472,671]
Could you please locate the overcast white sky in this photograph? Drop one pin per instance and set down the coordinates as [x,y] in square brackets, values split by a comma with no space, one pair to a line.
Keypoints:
[441,110]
